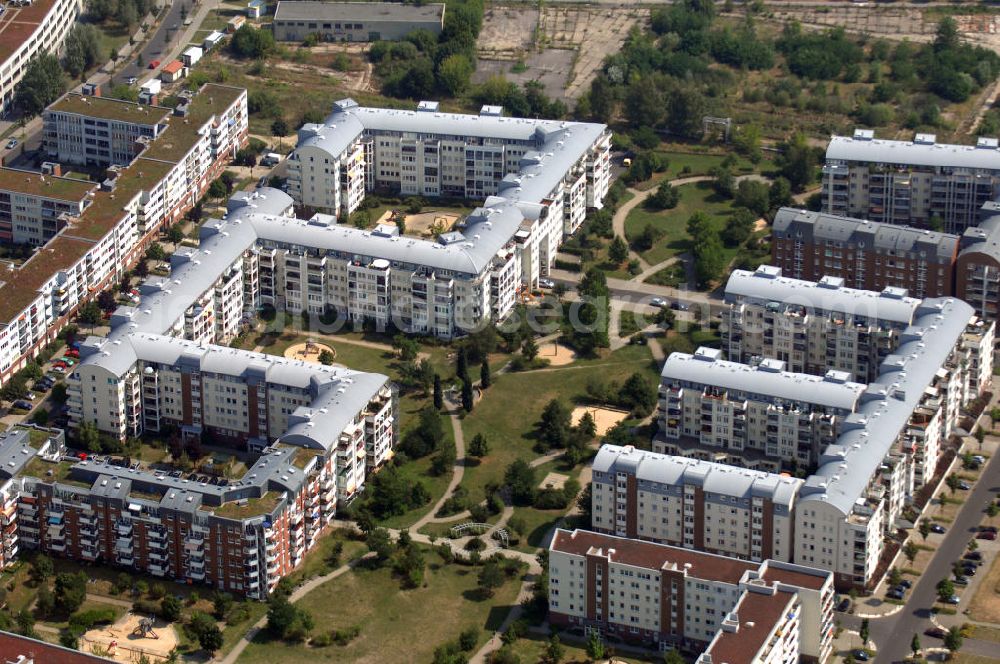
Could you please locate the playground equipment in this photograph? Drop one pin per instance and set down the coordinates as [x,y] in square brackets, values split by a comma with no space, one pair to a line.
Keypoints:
[144,630]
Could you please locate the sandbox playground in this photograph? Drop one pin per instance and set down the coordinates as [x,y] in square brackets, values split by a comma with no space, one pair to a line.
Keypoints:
[556,354]
[308,351]
[604,418]
[131,637]
[423,224]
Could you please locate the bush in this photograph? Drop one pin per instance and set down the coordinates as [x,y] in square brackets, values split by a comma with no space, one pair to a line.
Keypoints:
[146,606]
[84,620]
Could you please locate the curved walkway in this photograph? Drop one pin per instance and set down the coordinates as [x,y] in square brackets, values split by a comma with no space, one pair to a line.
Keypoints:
[458,470]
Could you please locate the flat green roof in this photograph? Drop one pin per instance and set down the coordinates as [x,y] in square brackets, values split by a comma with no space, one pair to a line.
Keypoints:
[111,109]
[254,507]
[44,186]
[181,133]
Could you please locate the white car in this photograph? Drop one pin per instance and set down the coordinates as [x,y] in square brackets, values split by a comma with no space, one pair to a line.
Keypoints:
[132,80]
[658,302]
[546,283]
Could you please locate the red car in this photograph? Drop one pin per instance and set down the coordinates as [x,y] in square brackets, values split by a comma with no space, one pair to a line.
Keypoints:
[986,535]
[154,64]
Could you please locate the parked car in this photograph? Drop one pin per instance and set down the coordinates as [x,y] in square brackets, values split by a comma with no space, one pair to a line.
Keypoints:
[22,404]
[861,655]
[969,570]
[987,529]
[845,605]
[986,535]
[979,458]
[961,581]
[937,528]
[132,80]
[964,486]
[154,64]
[658,302]
[679,306]
[906,583]
[546,283]
[954,599]
[896,593]
[59,369]
[974,555]
[936,632]
[12,143]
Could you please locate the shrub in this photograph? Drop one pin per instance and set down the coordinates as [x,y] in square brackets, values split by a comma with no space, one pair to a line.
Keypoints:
[84,620]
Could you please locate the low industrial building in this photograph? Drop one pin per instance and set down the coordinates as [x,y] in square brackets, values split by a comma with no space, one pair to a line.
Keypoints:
[354,21]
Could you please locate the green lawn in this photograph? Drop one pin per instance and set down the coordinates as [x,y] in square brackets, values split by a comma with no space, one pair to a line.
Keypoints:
[87,605]
[672,275]
[508,414]
[396,625]
[532,649]
[672,224]
[683,164]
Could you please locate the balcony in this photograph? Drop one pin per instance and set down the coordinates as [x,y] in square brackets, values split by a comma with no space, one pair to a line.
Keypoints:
[196,575]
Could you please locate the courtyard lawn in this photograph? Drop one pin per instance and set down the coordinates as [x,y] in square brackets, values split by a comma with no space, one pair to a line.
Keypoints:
[396,625]
[508,414]
[317,561]
[531,648]
[672,224]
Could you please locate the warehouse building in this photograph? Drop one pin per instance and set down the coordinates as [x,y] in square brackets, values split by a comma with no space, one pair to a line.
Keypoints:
[354,21]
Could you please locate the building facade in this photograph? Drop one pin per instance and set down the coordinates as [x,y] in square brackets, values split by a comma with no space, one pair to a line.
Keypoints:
[812,327]
[538,177]
[34,208]
[119,218]
[731,511]
[96,131]
[27,30]
[866,255]
[354,21]
[759,416]
[673,597]
[918,183]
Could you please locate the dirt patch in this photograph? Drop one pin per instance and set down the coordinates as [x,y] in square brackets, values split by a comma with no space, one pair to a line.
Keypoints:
[604,418]
[557,354]
[122,641]
[308,351]
[985,606]
[553,481]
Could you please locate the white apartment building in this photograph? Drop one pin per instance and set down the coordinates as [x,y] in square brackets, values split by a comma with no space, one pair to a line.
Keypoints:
[910,182]
[98,131]
[812,326]
[755,416]
[545,173]
[117,221]
[39,27]
[670,597]
[889,433]
[731,511]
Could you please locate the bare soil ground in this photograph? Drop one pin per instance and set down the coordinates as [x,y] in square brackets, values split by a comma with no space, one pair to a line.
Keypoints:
[556,354]
[604,418]
[308,351]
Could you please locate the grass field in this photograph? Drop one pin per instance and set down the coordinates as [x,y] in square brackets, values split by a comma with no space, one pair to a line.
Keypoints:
[526,394]
[985,605]
[396,625]
[672,224]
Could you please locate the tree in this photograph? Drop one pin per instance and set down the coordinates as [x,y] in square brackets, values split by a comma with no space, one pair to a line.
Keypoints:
[279,128]
[945,589]
[81,50]
[438,393]
[426,436]
[864,632]
[673,657]
[41,568]
[520,477]
[529,349]
[798,162]
[250,42]
[618,251]
[170,608]
[910,550]
[454,73]
[155,252]
[43,82]
[221,603]
[665,198]
[70,591]
[490,578]
[953,640]
[443,460]
[462,365]
[468,639]
[285,620]
[780,193]
[915,645]
[25,623]
[485,380]
[739,227]
[924,528]
[595,647]
[895,576]
[954,482]
[380,544]
[555,423]
[753,195]
[479,447]
[45,603]
[554,650]
[326,357]
[468,399]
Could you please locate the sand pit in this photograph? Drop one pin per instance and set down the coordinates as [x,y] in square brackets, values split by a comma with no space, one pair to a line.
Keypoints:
[308,351]
[129,645]
[554,481]
[556,354]
[604,418]
[430,223]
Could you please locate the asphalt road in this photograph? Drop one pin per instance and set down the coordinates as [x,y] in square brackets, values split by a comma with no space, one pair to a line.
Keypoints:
[892,635]
[159,44]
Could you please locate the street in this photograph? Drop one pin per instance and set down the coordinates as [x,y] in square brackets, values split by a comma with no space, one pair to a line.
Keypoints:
[892,634]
